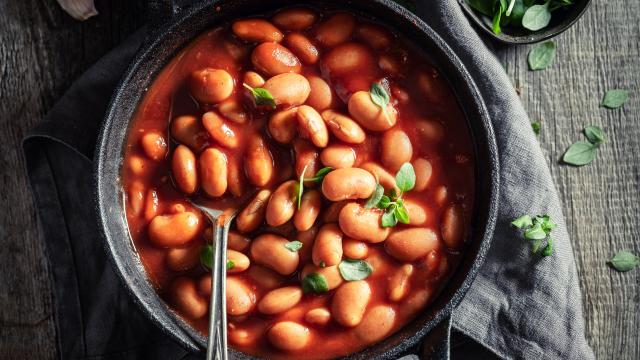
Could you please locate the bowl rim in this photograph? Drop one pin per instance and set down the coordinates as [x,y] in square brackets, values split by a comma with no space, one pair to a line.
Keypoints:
[109,205]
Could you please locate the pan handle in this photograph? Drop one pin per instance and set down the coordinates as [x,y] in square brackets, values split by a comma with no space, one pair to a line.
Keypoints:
[437,344]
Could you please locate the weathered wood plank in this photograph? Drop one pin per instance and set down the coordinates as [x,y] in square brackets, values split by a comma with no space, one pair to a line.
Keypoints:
[42,51]
[601,200]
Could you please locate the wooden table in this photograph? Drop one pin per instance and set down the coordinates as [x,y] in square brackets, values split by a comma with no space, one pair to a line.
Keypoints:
[42,50]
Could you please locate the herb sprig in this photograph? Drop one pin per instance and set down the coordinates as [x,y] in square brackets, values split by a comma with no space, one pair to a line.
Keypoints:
[261,96]
[583,152]
[393,204]
[317,178]
[537,231]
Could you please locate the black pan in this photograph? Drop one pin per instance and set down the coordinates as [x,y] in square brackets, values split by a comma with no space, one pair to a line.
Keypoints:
[171,29]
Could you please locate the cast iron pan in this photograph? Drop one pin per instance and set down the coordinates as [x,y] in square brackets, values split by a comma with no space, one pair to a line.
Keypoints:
[171,29]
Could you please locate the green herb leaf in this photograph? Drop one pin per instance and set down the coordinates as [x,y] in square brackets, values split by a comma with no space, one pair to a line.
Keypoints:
[379,95]
[541,56]
[535,246]
[375,197]
[402,215]
[389,217]
[536,17]
[536,127]
[406,177]
[548,250]
[523,221]
[535,232]
[206,256]
[230,264]
[353,270]
[594,134]
[262,96]
[293,246]
[384,203]
[495,23]
[613,99]
[545,222]
[319,176]
[314,283]
[624,261]
[301,186]
[580,153]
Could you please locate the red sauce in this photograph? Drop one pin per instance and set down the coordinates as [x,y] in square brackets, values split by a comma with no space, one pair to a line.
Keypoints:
[451,159]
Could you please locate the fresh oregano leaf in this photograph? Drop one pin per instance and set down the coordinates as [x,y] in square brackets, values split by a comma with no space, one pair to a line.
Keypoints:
[230,264]
[314,283]
[375,197]
[406,177]
[353,270]
[535,232]
[319,176]
[389,217]
[542,55]
[384,203]
[379,95]
[262,97]
[548,250]
[206,256]
[615,98]
[301,186]
[624,261]
[535,246]
[545,222]
[293,246]
[523,221]
[402,215]
[580,153]
[495,22]
[594,134]
[536,17]
[536,127]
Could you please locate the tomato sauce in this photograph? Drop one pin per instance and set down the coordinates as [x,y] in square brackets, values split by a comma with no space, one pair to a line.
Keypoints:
[418,93]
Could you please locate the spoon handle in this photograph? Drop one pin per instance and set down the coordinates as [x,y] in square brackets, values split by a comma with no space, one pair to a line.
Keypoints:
[213,345]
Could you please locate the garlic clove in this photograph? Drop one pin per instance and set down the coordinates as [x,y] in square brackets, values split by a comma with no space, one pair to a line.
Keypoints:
[79,9]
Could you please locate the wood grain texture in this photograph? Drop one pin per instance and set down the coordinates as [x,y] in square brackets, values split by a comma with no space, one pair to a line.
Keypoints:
[601,201]
[42,50]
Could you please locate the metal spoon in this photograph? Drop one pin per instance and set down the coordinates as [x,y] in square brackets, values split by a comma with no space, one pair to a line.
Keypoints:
[221,220]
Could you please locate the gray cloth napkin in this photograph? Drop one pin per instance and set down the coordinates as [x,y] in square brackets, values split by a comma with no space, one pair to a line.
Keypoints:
[520,306]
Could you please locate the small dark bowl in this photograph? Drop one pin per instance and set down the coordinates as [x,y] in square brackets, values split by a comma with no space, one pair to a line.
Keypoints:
[561,20]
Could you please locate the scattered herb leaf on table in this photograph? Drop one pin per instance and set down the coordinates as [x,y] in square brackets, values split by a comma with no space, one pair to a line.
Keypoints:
[542,55]
[614,99]
[624,261]
[584,152]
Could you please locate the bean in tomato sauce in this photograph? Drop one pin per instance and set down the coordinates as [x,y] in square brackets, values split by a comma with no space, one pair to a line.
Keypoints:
[298,120]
